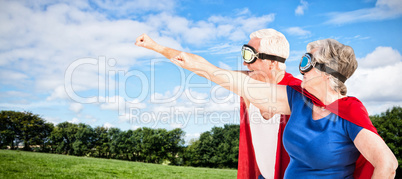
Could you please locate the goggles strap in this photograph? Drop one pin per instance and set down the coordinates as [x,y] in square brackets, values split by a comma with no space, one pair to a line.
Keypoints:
[324,68]
[271,57]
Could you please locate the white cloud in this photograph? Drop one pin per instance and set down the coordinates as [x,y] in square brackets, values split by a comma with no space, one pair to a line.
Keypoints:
[190,137]
[12,75]
[13,78]
[127,8]
[301,8]
[194,96]
[381,56]
[43,42]
[124,107]
[176,125]
[54,120]
[199,32]
[299,76]
[14,94]
[193,135]
[225,48]
[378,86]
[376,107]
[244,11]
[33,105]
[108,125]
[74,121]
[89,119]
[58,93]
[134,127]
[297,31]
[76,107]
[116,102]
[384,9]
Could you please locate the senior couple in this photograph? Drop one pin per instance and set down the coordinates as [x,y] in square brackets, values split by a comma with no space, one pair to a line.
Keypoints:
[291,128]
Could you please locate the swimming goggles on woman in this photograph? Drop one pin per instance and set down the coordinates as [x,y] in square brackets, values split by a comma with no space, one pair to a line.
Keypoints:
[250,55]
[307,63]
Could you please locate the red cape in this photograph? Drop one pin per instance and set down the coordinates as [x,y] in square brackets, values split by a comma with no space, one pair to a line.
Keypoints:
[348,108]
[247,164]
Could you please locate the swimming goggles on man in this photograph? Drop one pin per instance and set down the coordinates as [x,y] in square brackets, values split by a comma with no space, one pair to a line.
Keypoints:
[307,63]
[250,55]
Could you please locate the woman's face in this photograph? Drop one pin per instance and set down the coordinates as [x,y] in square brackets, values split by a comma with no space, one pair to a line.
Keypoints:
[312,79]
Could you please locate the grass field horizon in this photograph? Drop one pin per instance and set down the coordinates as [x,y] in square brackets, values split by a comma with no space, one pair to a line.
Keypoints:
[21,164]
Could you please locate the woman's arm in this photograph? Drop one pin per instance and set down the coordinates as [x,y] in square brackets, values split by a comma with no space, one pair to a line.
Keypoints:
[268,97]
[374,149]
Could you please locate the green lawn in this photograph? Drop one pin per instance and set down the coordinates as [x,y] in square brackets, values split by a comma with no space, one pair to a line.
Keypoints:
[19,164]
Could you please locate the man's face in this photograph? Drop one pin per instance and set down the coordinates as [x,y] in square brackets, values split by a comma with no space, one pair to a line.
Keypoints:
[258,68]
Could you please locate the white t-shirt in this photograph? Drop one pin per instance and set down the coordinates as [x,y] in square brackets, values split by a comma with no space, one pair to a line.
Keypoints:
[264,135]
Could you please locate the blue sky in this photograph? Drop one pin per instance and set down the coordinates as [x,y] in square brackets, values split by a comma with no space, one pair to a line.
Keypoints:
[76,61]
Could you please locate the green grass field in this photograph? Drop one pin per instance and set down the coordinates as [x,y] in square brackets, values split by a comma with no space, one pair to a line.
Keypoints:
[19,164]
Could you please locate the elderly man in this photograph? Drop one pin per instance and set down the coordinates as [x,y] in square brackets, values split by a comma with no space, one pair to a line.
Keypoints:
[261,131]
[261,153]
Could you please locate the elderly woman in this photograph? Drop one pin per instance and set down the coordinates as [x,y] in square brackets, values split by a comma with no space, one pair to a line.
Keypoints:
[328,134]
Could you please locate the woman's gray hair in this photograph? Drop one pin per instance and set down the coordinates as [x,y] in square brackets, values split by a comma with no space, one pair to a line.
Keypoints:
[273,43]
[337,56]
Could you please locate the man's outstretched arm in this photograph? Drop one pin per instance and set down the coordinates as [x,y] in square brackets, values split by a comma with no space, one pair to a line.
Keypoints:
[268,97]
[145,41]
[198,65]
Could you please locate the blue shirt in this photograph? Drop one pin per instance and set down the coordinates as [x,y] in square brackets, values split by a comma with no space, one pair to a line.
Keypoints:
[321,148]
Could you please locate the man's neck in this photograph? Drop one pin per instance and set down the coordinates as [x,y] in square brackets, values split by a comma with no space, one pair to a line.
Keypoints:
[274,77]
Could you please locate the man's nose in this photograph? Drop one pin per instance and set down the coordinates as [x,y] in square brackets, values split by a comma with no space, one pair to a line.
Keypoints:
[245,64]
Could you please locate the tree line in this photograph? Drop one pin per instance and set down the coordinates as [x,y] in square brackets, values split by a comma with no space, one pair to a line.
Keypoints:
[217,148]
[28,131]
[389,127]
